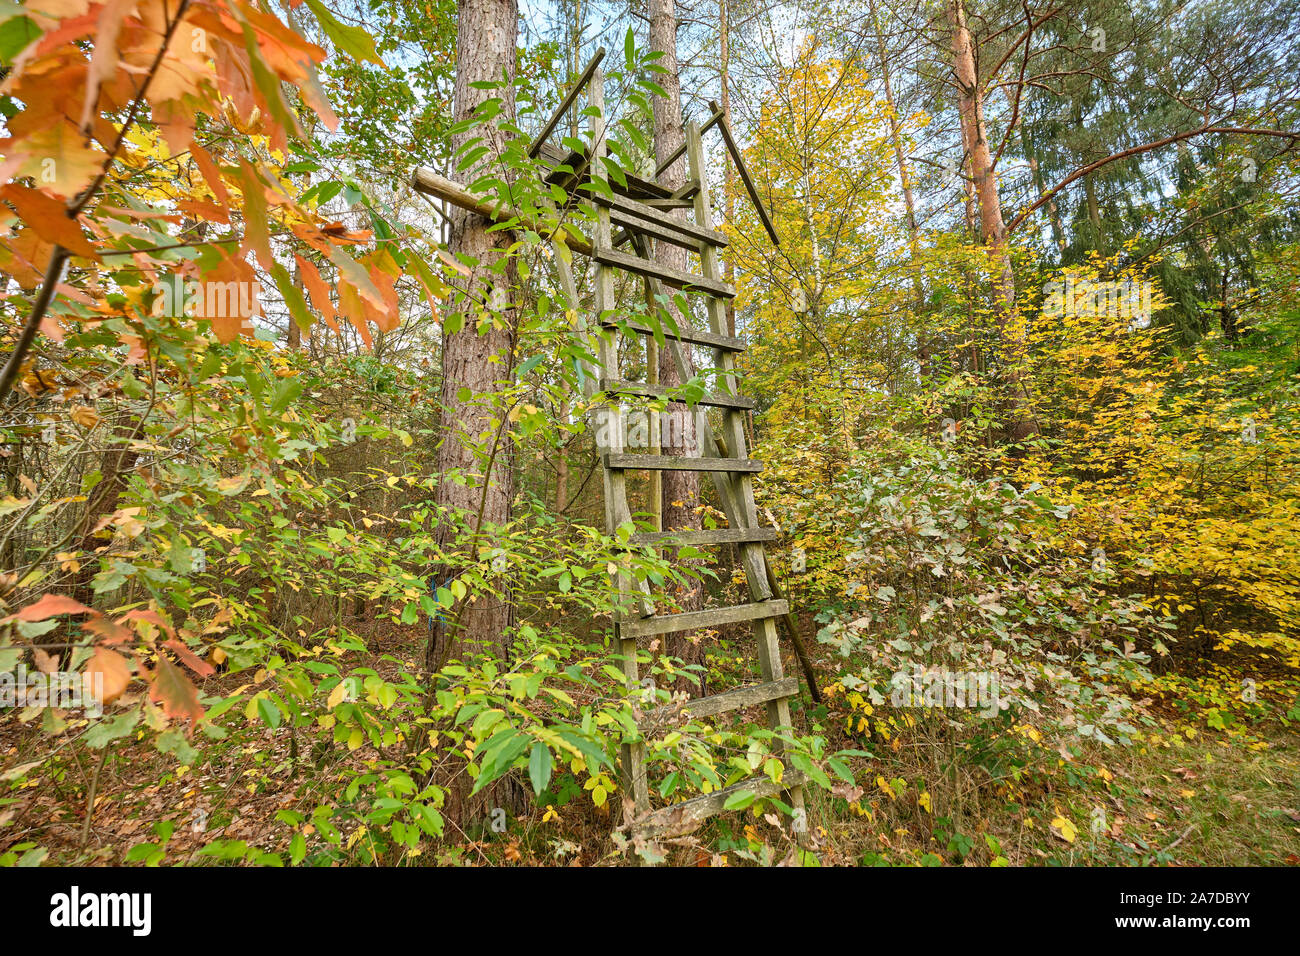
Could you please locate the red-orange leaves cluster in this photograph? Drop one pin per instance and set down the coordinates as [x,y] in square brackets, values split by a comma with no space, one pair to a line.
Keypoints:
[110,87]
[109,661]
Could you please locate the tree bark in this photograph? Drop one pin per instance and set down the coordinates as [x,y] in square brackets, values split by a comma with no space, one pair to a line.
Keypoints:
[728,175]
[476,364]
[993,229]
[681,489]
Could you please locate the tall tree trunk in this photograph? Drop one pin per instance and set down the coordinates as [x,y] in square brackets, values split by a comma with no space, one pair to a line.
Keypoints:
[909,202]
[1094,214]
[476,365]
[993,229]
[728,173]
[681,489]
[116,464]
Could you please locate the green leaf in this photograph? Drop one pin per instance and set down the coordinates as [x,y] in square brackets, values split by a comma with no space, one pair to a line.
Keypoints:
[539,766]
[173,742]
[739,800]
[269,713]
[16,34]
[106,731]
[293,298]
[286,393]
[354,41]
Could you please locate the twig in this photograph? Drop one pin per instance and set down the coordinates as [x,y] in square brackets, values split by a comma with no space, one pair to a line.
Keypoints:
[90,797]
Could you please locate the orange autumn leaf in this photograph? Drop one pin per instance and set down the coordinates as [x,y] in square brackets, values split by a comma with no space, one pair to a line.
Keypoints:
[50,605]
[110,632]
[110,671]
[173,691]
[56,156]
[188,657]
[211,175]
[25,257]
[354,309]
[318,290]
[49,217]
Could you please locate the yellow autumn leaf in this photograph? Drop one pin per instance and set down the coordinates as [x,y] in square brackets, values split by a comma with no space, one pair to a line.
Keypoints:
[336,695]
[85,416]
[1063,828]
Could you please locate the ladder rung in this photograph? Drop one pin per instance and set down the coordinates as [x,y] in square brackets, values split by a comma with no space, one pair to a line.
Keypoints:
[681,818]
[711,339]
[707,537]
[681,463]
[736,699]
[624,208]
[655,270]
[695,620]
[715,399]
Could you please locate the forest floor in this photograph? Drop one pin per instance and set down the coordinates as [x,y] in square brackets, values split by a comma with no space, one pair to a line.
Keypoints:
[1179,797]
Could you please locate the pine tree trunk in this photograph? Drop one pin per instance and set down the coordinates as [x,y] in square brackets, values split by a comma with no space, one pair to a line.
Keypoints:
[729,173]
[993,229]
[681,489]
[475,365]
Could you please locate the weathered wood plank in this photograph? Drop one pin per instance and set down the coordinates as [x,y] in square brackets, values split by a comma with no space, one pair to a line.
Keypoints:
[735,699]
[695,337]
[631,754]
[695,620]
[637,186]
[681,818]
[714,399]
[744,178]
[425,180]
[567,102]
[647,267]
[704,538]
[682,463]
[631,225]
[677,153]
[630,207]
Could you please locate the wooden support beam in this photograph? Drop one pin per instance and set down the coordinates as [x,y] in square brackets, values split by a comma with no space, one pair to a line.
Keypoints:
[699,539]
[711,339]
[792,628]
[622,208]
[682,463]
[637,186]
[681,199]
[695,620]
[567,102]
[750,696]
[685,281]
[744,177]
[430,183]
[680,819]
[681,150]
[631,225]
[646,390]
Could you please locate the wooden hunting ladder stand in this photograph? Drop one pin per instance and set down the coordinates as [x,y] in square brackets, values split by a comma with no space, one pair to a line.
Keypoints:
[640,212]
